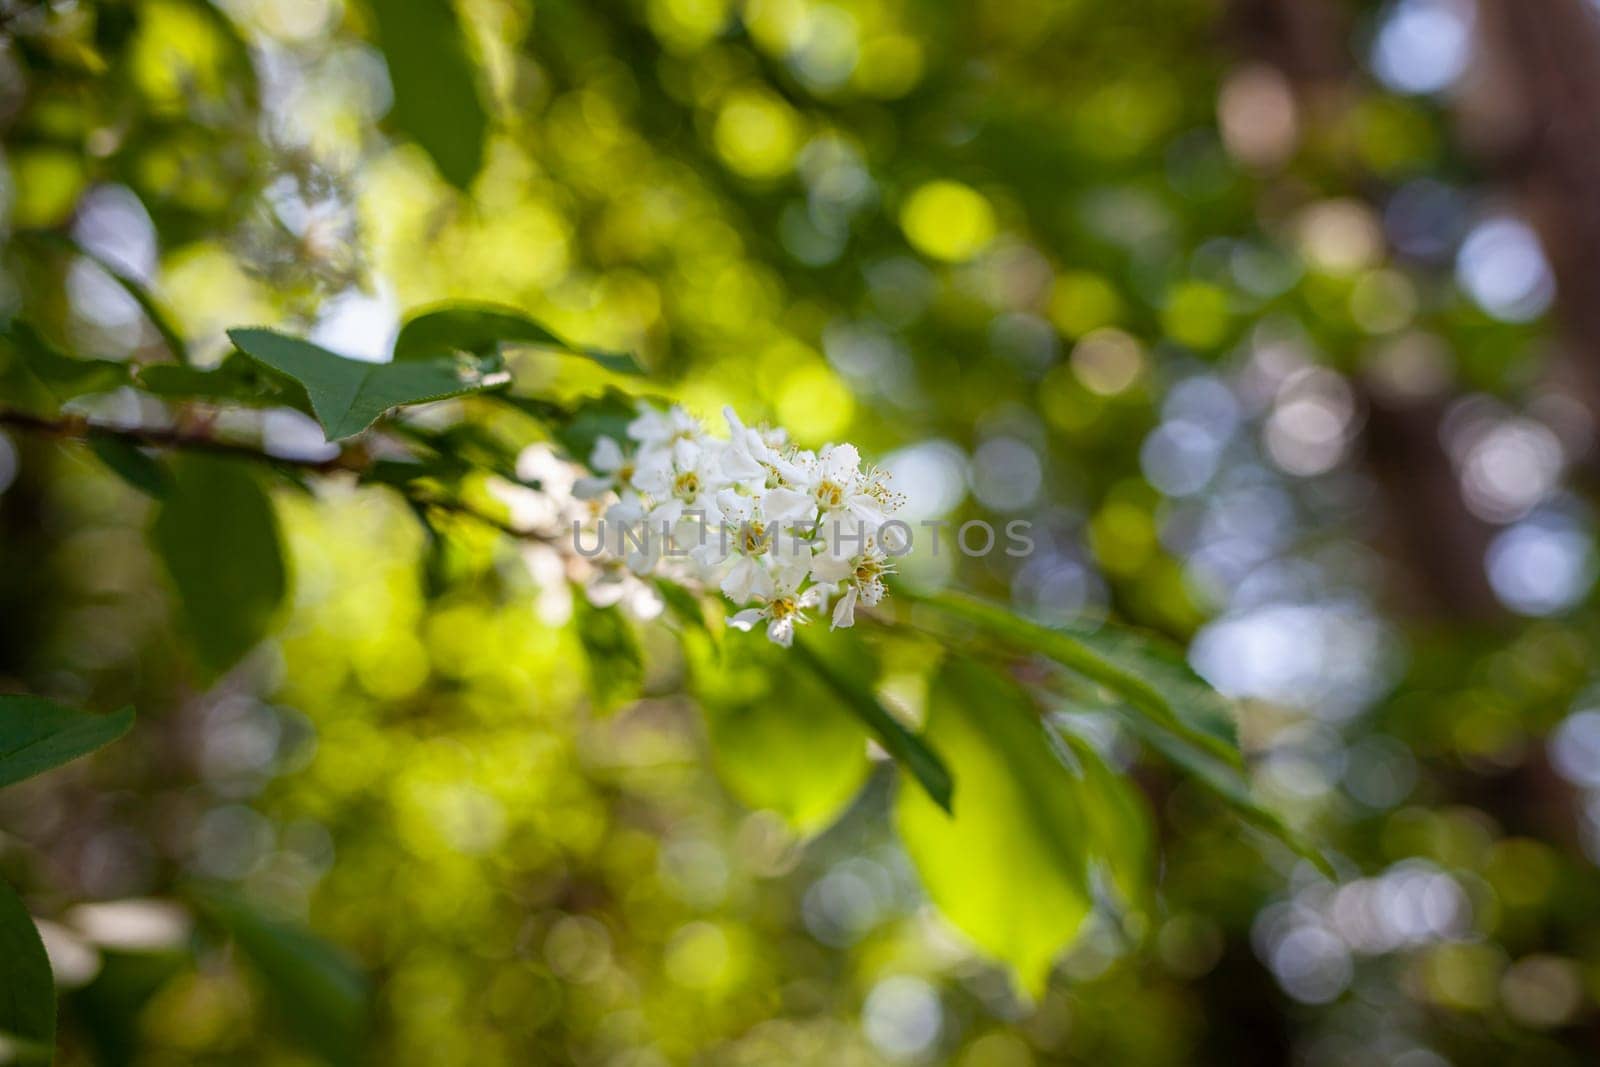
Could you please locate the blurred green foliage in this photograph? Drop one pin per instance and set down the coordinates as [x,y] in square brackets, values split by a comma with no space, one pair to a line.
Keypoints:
[1121,270]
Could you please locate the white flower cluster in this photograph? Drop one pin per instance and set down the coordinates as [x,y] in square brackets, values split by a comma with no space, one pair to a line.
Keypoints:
[780,530]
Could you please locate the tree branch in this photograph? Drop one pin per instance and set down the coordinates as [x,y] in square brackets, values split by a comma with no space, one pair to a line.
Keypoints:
[353,459]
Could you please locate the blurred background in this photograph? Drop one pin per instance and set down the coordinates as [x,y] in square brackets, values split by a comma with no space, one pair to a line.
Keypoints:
[1279,319]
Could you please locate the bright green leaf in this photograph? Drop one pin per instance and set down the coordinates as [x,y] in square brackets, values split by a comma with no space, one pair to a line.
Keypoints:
[218,536]
[436,100]
[348,395]
[1009,867]
[320,995]
[27,988]
[912,752]
[482,328]
[37,735]
[781,740]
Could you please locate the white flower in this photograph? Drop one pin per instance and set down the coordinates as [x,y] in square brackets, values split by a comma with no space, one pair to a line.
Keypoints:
[783,609]
[681,479]
[783,530]
[755,458]
[838,488]
[851,556]
[658,431]
[628,534]
[613,471]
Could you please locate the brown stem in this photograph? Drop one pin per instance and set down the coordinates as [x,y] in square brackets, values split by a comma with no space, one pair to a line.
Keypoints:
[351,459]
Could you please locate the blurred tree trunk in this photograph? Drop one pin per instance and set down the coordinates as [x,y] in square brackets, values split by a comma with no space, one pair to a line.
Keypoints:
[1424,526]
[1531,112]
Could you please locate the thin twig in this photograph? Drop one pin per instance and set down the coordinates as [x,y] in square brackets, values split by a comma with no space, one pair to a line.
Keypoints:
[352,459]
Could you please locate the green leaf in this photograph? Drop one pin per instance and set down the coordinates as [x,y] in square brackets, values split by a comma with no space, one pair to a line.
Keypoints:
[1227,783]
[914,753]
[348,395]
[130,285]
[616,667]
[218,536]
[436,101]
[482,329]
[236,380]
[781,740]
[577,427]
[60,376]
[1155,683]
[107,1012]
[27,988]
[1164,702]
[133,465]
[1121,835]
[320,995]
[37,735]
[1009,866]
[684,606]
[1164,669]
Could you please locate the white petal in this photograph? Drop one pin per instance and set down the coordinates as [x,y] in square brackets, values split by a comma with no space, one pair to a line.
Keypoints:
[606,457]
[747,580]
[685,454]
[747,618]
[741,466]
[650,426]
[668,512]
[735,508]
[591,488]
[781,632]
[840,463]
[866,510]
[844,612]
[787,505]
[788,574]
[831,568]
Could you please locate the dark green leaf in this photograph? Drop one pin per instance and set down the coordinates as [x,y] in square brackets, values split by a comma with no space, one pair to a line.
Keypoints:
[577,427]
[482,329]
[1121,837]
[348,395]
[37,735]
[436,100]
[616,668]
[1009,866]
[1229,784]
[684,606]
[218,536]
[60,376]
[910,751]
[236,380]
[1155,683]
[27,988]
[109,1010]
[1164,668]
[320,995]
[134,288]
[133,465]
